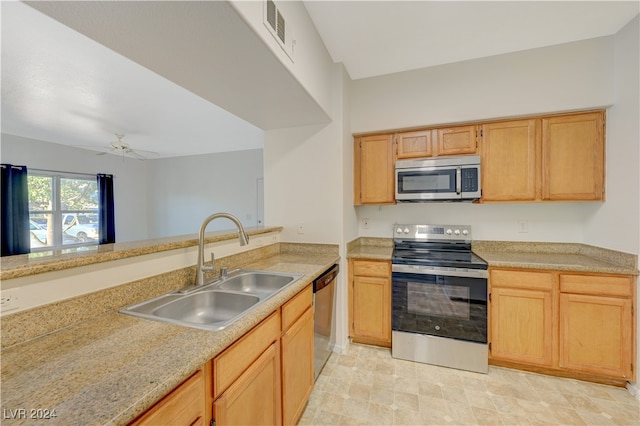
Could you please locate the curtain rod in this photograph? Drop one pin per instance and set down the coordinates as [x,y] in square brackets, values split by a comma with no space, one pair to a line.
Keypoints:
[61,171]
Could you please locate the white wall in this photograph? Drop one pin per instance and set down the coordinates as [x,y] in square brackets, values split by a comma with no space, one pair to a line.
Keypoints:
[130,176]
[555,222]
[185,190]
[311,65]
[159,197]
[302,183]
[566,77]
[616,223]
[308,175]
[558,78]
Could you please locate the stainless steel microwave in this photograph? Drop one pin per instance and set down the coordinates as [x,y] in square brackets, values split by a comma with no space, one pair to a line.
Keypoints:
[454,178]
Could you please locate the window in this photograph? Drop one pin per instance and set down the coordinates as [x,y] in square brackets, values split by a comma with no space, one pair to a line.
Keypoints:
[63,209]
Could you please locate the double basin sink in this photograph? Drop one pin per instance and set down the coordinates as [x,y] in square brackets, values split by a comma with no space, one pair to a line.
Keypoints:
[217,304]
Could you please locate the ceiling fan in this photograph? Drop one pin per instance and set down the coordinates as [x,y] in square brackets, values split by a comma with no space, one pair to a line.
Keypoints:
[123,148]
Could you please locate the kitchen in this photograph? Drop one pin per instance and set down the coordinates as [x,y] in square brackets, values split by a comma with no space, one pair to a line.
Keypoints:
[324,201]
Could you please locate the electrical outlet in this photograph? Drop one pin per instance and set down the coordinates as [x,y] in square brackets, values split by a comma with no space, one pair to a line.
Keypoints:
[523,226]
[300,228]
[365,223]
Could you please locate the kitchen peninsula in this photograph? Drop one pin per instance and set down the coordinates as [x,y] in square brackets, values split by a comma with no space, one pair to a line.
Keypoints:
[126,363]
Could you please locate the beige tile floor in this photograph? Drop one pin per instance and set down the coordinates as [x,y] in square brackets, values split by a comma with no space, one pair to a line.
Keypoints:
[368,387]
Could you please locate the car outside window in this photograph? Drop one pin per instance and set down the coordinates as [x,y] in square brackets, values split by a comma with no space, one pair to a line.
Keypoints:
[63,210]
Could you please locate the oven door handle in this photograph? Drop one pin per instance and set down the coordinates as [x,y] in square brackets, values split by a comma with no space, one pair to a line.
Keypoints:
[438,270]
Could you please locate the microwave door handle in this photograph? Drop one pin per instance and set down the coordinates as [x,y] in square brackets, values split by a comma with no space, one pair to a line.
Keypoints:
[458,180]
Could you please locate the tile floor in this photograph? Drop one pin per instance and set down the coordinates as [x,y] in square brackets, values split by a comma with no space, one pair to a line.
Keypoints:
[368,387]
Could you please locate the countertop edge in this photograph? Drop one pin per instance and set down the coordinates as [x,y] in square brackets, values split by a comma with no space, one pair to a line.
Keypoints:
[33,264]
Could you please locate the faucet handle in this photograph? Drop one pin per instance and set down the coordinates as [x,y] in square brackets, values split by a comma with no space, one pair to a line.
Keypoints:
[212,267]
[223,272]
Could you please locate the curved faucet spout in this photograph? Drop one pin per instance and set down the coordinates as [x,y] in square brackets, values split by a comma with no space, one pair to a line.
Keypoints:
[200,267]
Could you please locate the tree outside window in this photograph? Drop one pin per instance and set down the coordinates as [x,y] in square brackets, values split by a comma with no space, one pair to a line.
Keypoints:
[63,210]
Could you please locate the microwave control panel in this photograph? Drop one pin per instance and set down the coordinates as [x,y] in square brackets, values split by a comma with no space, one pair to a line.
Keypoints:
[469,180]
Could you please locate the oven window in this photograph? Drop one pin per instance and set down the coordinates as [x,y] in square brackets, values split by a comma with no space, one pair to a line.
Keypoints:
[454,307]
[423,181]
[443,301]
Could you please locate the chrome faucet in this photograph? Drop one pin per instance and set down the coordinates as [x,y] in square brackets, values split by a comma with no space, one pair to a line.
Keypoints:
[201,268]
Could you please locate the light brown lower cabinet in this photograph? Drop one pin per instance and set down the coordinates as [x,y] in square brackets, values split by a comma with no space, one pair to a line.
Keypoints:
[370,301]
[266,377]
[573,325]
[522,316]
[596,325]
[263,378]
[254,398]
[185,405]
[297,355]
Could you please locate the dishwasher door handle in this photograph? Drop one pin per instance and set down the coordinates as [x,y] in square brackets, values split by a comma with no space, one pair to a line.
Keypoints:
[325,279]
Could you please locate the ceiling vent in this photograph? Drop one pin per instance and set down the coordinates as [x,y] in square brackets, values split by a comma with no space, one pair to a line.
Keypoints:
[277,26]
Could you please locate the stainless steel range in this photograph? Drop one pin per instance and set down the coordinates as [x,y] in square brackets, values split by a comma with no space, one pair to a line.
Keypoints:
[439,297]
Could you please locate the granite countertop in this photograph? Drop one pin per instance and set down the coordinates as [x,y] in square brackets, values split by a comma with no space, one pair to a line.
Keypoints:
[111,368]
[55,260]
[525,255]
[370,248]
[556,256]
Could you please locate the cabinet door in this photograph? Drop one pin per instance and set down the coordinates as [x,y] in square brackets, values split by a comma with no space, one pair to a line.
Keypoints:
[374,173]
[509,160]
[573,157]
[414,144]
[596,335]
[253,399]
[457,140]
[371,306]
[522,325]
[183,406]
[297,367]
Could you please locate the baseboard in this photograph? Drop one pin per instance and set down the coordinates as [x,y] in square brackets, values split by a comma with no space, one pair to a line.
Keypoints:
[634,389]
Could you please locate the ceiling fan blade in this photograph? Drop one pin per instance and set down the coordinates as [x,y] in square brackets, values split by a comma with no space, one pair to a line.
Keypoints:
[134,154]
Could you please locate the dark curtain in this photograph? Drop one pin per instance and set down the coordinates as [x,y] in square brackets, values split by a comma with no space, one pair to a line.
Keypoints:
[106,217]
[14,216]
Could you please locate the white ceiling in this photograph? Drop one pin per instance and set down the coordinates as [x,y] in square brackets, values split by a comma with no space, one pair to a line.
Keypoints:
[374,38]
[60,85]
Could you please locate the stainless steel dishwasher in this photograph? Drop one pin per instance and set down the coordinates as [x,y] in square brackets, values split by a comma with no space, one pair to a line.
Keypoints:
[323,293]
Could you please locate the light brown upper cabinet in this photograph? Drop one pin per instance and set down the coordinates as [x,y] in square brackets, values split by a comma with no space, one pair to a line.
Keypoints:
[510,160]
[457,140]
[556,158]
[573,157]
[373,172]
[415,144]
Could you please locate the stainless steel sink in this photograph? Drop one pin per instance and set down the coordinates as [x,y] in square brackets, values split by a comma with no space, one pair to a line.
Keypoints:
[256,282]
[207,307]
[217,304]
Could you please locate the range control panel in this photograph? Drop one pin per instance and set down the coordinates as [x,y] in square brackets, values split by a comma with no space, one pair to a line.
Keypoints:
[432,232]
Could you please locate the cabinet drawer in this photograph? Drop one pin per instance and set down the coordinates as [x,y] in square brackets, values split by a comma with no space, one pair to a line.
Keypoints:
[605,285]
[184,405]
[371,269]
[521,279]
[294,308]
[230,364]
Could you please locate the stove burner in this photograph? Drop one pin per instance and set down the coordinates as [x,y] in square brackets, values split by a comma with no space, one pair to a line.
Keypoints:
[434,245]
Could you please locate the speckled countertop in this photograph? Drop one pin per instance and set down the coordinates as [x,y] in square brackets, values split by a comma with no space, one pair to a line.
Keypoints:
[524,255]
[56,260]
[370,248]
[556,256]
[111,368]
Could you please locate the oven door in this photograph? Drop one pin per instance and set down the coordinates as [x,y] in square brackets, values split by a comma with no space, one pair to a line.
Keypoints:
[440,303]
